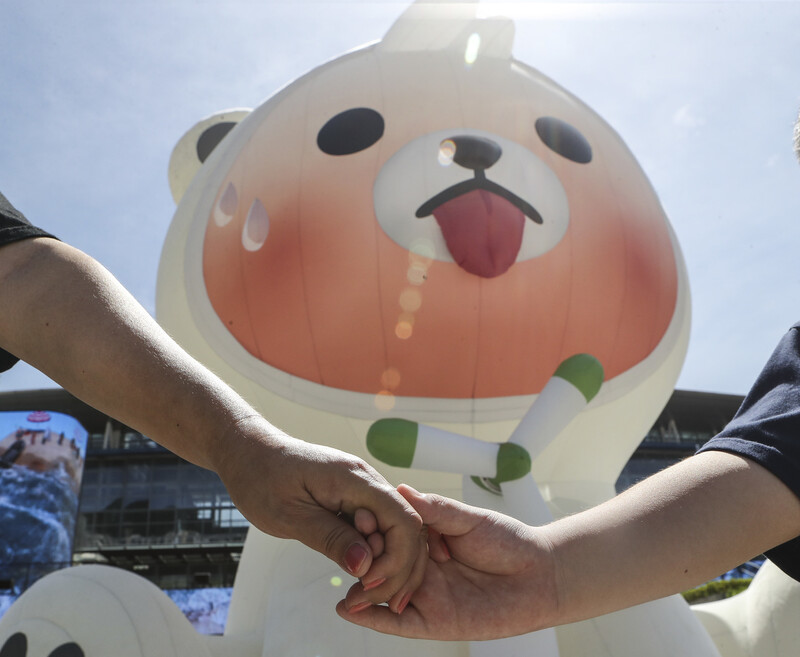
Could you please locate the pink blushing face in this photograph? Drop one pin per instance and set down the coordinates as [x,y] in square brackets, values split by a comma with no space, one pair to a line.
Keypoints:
[313,270]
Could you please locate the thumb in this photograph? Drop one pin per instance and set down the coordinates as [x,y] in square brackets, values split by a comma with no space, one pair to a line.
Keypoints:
[329,534]
[445,515]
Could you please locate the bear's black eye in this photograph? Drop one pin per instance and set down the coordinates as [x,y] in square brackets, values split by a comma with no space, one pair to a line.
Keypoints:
[15,646]
[67,650]
[211,138]
[561,137]
[350,131]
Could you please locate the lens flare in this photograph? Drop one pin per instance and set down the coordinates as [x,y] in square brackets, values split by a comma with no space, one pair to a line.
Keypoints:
[384,400]
[410,299]
[417,275]
[422,250]
[420,256]
[403,330]
[390,378]
[473,45]
[447,151]
[407,318]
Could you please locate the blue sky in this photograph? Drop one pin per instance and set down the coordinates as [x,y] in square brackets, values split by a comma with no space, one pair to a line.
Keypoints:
[705,94]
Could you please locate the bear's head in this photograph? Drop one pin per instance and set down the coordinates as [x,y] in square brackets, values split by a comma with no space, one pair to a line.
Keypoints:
[425,226]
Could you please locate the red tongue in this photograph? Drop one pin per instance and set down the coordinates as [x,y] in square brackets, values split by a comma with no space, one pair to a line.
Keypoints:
[483,232]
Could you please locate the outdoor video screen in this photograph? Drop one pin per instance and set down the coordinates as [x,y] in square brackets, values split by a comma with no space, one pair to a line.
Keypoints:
[42,455]
[206,609]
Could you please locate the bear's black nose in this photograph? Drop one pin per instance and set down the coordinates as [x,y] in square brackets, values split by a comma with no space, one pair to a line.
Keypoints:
[476,153]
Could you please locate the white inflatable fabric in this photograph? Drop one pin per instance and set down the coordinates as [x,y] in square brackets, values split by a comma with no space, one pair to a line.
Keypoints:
[95,611]
[762,621]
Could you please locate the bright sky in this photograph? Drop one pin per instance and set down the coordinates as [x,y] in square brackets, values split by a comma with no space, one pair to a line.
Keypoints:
[96,94]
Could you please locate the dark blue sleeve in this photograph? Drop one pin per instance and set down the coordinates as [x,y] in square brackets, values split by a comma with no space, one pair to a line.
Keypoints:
[766,429]
[14,226]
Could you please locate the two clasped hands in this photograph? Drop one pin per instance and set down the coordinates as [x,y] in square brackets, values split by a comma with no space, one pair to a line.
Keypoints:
[445,570]
[478,564]
[489,576]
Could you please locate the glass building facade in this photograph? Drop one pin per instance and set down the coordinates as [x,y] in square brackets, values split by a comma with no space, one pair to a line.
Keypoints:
[144,509]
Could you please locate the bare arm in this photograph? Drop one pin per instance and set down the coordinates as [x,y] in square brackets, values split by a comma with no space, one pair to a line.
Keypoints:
[63,313]
[496,577]
[675,530]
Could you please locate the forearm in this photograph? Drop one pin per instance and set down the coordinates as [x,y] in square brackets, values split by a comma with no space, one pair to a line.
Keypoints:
[67,316]
[673,531]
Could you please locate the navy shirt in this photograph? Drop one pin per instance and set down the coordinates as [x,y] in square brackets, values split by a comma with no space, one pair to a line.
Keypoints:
[766,429]
[14,227]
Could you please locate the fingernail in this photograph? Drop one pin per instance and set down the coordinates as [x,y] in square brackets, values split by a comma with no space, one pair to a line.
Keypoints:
[375,584]
[403,603]
[361,606]
[354,557]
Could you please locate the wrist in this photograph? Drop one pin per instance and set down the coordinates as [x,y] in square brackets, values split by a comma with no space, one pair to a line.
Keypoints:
[246,434]
[550,566]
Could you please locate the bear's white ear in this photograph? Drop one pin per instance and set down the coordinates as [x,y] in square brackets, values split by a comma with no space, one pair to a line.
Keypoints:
[196,145]
[449,25]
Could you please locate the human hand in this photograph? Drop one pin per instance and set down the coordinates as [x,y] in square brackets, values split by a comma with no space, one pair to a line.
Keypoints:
[488,576]
[292,489]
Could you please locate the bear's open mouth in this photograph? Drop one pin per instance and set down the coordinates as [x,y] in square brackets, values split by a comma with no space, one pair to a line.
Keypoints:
[482,223]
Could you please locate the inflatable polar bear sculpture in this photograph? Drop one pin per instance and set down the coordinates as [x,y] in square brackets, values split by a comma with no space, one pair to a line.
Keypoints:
[429,245]
[427,229]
